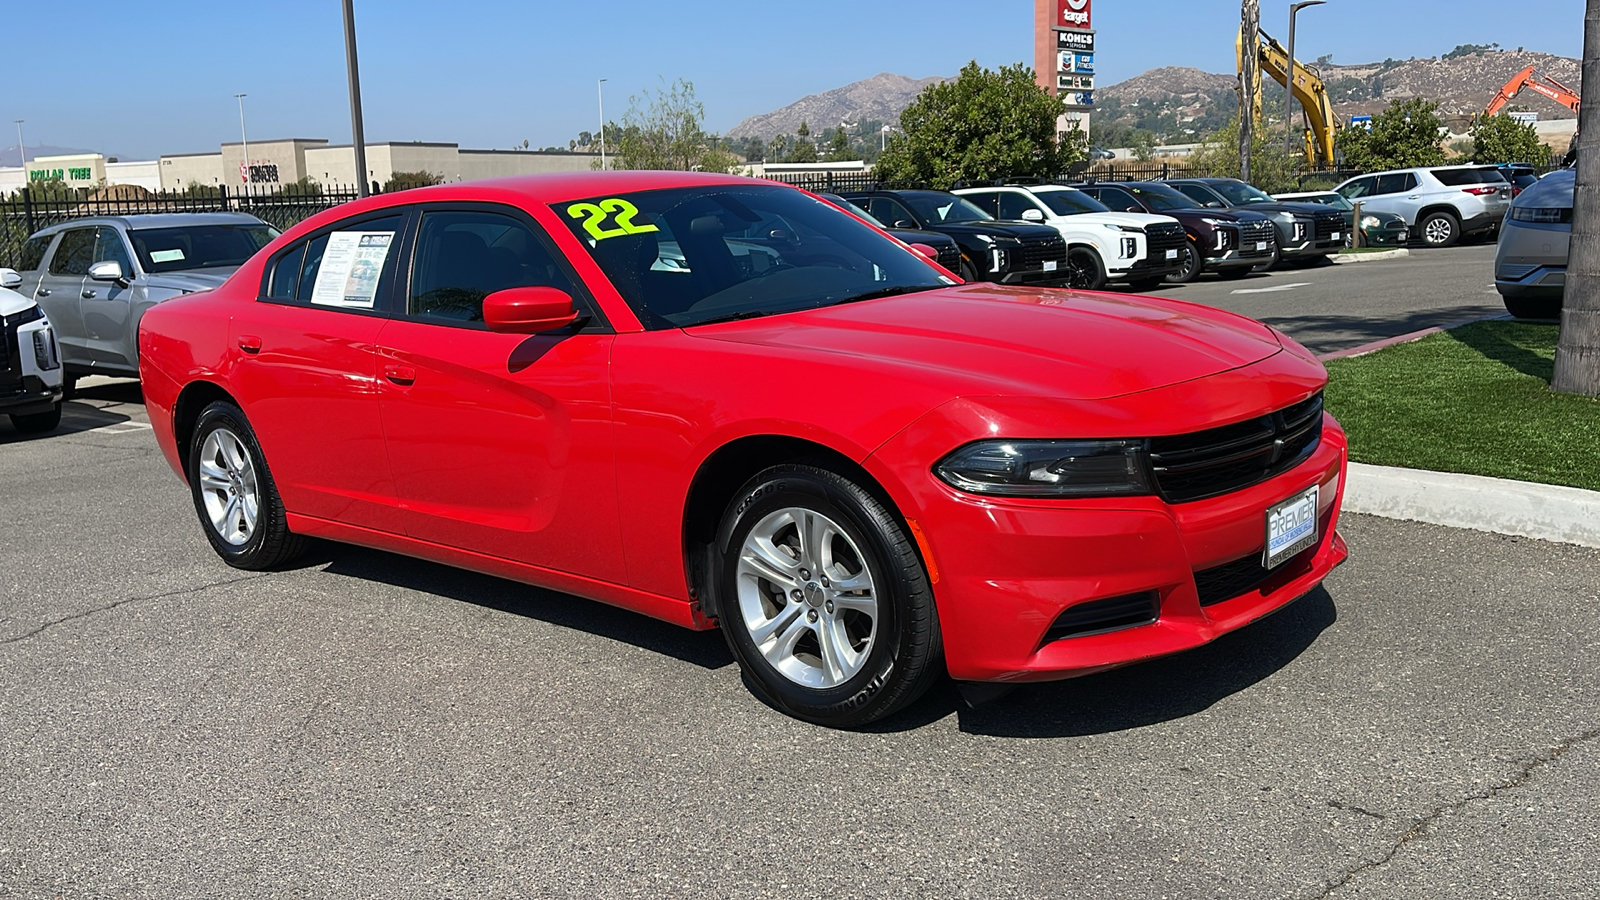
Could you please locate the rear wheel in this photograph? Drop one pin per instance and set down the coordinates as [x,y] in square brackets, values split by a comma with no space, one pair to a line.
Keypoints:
[823,598]
[234,494]
[1192,261]
[1084,271]
[1535,308]
[1440,229]
[38,423]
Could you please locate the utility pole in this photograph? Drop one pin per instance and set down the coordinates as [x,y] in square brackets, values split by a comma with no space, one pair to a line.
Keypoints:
[358,138]
[1288,88]
[1578,353]
[21,153]
[601,90]
[244,138]
[1249,81]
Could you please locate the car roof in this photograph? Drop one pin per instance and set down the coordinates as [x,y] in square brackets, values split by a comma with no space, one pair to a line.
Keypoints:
[140,221]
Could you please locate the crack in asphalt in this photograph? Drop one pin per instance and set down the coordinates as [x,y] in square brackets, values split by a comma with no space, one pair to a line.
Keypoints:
[124,602]
[1420,828]
[1350,807]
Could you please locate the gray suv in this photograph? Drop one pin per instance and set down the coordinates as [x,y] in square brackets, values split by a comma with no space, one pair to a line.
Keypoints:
[95,277]
[1530,266]
[1441,204]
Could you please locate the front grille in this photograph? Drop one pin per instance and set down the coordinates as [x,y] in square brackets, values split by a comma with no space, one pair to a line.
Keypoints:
[1241,576]
[1253,233]
[1328,226]
[1159,239]
[1222,460]
[1101,616]
[1035,253]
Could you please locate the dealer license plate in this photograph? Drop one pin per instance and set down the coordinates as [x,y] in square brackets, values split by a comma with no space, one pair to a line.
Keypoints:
[1261,245]
[1291,528]
[1050,265]
[1338,236]
[1172,254]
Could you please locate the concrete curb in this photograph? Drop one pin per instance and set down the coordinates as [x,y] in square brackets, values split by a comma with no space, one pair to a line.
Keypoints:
[1375,346]
[1348,258]
[1545,512]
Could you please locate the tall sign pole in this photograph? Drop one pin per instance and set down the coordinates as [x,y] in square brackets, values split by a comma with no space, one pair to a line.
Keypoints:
[1578,352]
[1249,81]
[358,138]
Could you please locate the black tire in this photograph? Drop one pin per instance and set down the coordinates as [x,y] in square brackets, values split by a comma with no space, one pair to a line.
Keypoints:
[1533,308]
[1234,273]
[38,423]
[1084,270]
[967,271]
[1193,264]
[904,655]
[69,387]
[1440,229]
[270,542]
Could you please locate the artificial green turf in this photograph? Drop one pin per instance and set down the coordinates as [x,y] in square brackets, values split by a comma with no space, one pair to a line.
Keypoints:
[1475,400]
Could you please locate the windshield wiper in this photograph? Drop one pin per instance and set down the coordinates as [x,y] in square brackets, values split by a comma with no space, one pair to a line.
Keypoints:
[887,292]
[730,317]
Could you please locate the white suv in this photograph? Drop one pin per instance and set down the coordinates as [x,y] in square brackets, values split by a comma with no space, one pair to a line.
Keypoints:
[1102,245]
[1441,204]
[30,361]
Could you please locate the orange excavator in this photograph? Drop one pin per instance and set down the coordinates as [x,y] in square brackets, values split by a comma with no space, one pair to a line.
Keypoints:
[1537,82]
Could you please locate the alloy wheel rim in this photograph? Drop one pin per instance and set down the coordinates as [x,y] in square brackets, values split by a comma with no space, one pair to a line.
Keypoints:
[1438,231]
[1079,271]
[807,598]
[228,487]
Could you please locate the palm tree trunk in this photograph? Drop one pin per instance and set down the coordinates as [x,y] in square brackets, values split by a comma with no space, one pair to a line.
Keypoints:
[1578,354]
[1249,81]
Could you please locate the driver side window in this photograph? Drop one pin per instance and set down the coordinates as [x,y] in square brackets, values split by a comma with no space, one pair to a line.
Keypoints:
[1119,200]
[1196,193]
[463,257]
[109,247]
[1012,206]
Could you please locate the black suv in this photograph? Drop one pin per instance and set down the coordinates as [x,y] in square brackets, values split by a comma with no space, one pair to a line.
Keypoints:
[947,251]
[991,250]
[1307,232]
[1229,242]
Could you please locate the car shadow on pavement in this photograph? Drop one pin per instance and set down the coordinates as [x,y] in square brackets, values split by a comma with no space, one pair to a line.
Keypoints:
[705,649]
[1327,333]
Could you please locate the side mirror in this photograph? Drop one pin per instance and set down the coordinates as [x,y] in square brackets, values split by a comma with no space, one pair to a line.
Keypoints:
[926,251]
[109,270]
[1032,215]
[904,223]
[528,310]
[10,279]
[1215,205]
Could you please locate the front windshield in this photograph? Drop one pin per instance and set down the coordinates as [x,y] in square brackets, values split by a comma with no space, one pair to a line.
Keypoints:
[1071,203]
[1239,193]
[1161,198]
[198,246]
[936,207]
[689,256]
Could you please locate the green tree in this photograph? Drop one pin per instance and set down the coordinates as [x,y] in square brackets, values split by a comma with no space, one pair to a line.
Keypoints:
[840,149]
[51,189]
[665,130]
[405,181]
[1143,145]
[805,151]
[1404,135]
[982,126]
[1500,138]
[1272,168]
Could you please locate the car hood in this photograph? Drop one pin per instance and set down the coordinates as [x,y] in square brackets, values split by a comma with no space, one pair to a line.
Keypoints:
[1554,191]
[1022,231]
[188,282]
[993,340]
[1131,220]
[1299,209]
[914,236]
[1221,215]
[12,302]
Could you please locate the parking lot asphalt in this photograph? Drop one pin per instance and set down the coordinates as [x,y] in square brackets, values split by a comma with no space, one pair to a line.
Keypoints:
[1334,307]
[365,725]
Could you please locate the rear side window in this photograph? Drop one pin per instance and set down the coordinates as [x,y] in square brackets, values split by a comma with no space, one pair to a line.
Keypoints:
[1461,177]
[1120,200]
[75,253]
[1398,183]
[348,267]
[33,253]
[988,202]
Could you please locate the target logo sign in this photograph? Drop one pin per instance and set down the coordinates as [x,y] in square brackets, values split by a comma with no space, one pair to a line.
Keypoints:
[1072,14]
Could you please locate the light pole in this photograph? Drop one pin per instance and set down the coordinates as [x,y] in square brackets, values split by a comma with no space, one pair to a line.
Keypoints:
[358,137]
[1288,109]
[883,138]
[21,153]
[601,90]
[244,138]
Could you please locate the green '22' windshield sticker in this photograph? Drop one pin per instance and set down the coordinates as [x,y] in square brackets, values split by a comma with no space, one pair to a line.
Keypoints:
[618,210]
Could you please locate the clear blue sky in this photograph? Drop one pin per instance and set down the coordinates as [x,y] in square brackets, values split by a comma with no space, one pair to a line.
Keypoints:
[142,79]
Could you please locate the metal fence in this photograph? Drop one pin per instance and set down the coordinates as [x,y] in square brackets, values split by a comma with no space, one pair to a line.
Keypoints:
[24,212]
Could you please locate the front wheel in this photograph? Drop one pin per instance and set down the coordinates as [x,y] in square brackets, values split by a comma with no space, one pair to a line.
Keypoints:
[38,423]
[1440,229]
[1084,271]
[234,494]
[967,271]
[823,598]
[1192,261]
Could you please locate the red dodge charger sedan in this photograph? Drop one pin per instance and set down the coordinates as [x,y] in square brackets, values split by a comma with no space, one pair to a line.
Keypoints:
[727,403]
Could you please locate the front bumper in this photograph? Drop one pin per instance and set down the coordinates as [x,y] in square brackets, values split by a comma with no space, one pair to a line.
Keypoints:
[1395,235]
[1037,277]
[26,386]
[1008,570]
[1235,258]
[1544,282]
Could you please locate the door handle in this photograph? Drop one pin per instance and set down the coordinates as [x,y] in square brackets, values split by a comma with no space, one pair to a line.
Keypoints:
[250,343]
[405,376]
[89,295]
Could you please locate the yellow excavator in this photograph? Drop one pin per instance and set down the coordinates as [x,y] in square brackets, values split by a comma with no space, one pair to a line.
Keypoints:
[1308,90]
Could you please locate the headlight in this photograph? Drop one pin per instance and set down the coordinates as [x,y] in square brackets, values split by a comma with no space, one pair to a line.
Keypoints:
[984,238]
[1126,228]
[1216,222]
[44,350]
[1098,468]
[1541,215]
[1370,222]
[1283,216]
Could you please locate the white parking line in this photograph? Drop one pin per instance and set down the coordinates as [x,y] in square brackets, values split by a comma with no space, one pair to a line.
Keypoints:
[120,428]
[1274,290]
